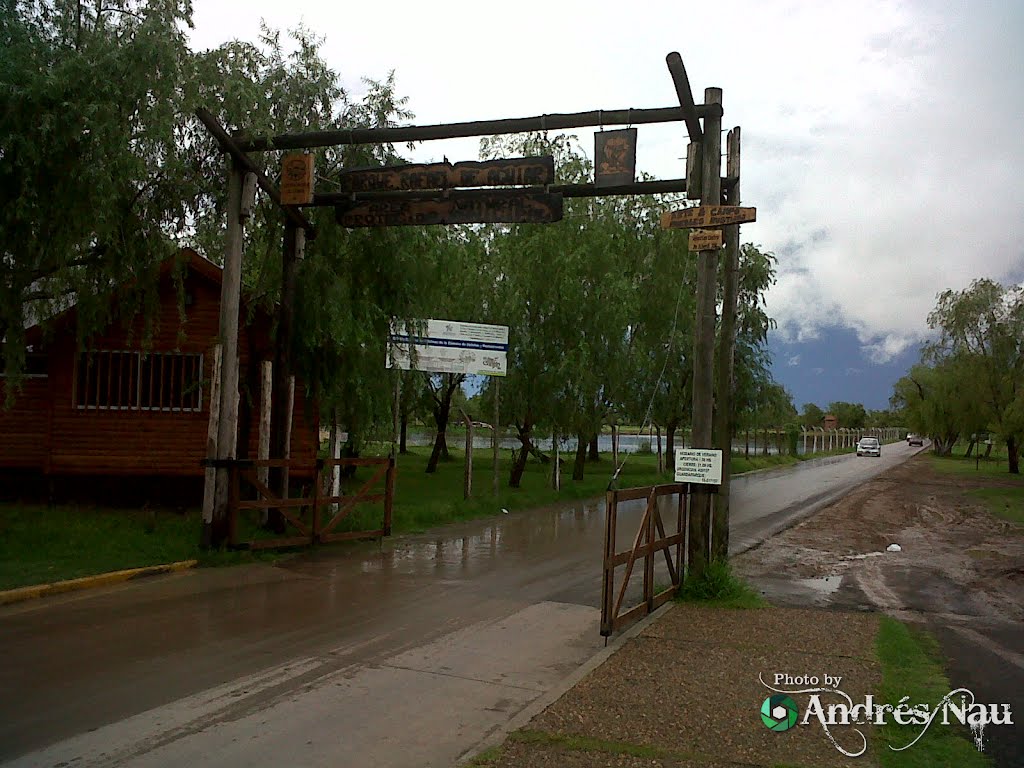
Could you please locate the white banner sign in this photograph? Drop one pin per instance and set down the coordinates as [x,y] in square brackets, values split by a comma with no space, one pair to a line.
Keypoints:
[448,346]
[698,465]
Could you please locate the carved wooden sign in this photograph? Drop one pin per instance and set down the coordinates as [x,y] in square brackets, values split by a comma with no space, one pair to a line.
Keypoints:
[705,239]
[511,206]
[615,153]
[518,171]
[707,216]
[296,179]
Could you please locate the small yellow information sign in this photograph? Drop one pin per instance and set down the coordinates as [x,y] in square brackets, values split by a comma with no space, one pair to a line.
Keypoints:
[297,179]
[705,239]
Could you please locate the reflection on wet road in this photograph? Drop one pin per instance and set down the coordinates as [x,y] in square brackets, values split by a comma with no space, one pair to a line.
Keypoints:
[427,643]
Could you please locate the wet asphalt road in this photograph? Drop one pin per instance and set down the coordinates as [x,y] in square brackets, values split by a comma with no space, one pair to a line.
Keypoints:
[406,655]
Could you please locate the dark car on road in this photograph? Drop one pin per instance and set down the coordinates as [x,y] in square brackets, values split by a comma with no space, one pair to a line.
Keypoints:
[913,439]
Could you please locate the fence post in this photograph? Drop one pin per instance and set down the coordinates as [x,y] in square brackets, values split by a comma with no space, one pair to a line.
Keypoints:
[608,583]
[389,494]
[314,526]
[233,496]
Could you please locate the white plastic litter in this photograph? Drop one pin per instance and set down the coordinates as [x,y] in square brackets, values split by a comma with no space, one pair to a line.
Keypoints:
[894,548]
[504,510]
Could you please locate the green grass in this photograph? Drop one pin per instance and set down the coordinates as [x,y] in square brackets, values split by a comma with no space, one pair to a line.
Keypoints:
[39,545]
[1007,503]
[994,466]
[720,586]
[1003,494]
[911,667]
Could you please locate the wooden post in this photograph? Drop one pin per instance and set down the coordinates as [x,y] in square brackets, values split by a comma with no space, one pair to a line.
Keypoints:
[495,435]
[615,446]
[210,486]
[556,472]
[704,335]
[726,356]
[467,490]
[289,420]
[263,446]
[230,297]
[334,451]
[293,246]
[395,416]
[661,457]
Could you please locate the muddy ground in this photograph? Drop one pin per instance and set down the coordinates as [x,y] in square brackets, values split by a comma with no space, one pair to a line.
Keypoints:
[959,572]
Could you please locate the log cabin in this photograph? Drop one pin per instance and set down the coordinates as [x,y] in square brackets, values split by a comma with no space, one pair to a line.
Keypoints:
[131,407]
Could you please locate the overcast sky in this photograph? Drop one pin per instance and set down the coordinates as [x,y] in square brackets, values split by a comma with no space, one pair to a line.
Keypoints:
[883,142]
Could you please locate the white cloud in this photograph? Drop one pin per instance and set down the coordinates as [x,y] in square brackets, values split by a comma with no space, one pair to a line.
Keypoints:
[794,360]
[881,139]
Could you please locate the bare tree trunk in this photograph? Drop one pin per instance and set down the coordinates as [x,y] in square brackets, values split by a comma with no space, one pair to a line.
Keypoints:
[1012,450]
[595,454]
[440,441]
[670,444]
[581,458]
[519,465]
[970,449]
[442,412]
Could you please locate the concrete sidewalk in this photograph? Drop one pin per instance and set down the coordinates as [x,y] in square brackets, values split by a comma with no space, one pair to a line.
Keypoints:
[685,692]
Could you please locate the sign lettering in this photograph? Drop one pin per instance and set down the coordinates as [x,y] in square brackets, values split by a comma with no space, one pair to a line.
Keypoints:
[698,465]
[705,239]
[707,216]
[499,206]
[447,346]
[519,171]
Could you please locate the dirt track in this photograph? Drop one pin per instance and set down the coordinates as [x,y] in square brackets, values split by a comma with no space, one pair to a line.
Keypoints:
[960,572]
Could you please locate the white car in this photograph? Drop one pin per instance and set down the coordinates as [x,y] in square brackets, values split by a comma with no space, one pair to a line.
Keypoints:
[869,446]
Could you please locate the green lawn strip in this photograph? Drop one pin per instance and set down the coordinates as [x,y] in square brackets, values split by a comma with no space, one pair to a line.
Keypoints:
[1007,503]
[1004,496]
[489,757]
[39,545]
[601,746]
[994,466]
[911,667]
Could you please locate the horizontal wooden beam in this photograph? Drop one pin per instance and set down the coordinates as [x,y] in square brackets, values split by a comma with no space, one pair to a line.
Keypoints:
[555,122]
[231,147]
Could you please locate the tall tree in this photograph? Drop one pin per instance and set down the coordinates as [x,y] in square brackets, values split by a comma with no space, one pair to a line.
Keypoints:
[982,329]
[92,182]
[849,415]
[811,415]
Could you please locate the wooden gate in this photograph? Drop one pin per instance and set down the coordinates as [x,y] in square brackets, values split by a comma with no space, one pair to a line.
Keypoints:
[650,539]
[305,514]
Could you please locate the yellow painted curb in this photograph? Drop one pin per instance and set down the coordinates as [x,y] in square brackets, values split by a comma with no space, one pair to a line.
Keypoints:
[87,582]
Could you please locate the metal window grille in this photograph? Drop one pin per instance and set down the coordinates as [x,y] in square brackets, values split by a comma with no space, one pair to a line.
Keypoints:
[141,381]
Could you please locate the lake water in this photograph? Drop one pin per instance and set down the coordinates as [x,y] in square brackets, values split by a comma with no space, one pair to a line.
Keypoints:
[627,443]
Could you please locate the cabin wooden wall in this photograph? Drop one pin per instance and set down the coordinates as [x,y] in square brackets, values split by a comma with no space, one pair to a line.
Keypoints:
[47,431]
